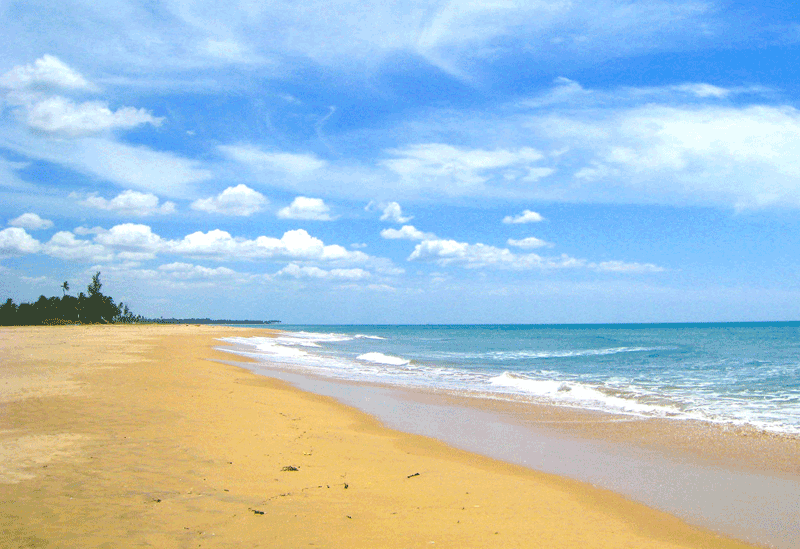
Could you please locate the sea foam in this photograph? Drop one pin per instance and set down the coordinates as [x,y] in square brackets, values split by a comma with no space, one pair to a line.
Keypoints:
[580,394]
[380,358]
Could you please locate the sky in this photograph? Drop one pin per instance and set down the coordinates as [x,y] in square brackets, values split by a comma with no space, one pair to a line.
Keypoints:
[461,161]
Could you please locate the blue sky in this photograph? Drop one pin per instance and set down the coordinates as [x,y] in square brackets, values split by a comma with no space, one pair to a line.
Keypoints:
[405,162]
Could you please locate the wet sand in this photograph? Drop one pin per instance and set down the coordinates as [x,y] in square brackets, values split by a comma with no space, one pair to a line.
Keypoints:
[664,464]
[115,436]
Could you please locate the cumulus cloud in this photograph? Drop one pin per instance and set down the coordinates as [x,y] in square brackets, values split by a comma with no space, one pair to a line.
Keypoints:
[131,203]
[527,216]
[406,232]
[64,245]
[528,243]
[16,241]
[447,252]
[31,92]
[303,207]
[133,241]
[240,200]
[31,221]
[393,212]
[49,71]
[60,116]
[293,245]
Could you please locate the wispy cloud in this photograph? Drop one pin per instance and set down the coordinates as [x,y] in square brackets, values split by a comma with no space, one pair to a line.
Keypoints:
[295,164]
[481,256]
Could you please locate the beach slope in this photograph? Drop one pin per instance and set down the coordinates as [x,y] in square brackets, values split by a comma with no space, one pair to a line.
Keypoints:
[134,436]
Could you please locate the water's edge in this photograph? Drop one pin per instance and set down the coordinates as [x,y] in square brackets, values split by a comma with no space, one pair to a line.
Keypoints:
[755,507]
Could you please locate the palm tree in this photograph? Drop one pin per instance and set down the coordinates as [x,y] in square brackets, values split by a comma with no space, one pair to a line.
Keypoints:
[65,287]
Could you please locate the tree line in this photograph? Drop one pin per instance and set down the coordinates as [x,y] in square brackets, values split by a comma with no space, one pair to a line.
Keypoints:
[92,307]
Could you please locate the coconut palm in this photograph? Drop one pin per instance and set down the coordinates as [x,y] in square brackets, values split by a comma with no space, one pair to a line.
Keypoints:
[65,287]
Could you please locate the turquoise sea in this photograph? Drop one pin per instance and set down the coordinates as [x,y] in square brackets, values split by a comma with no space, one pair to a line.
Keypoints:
[729,373]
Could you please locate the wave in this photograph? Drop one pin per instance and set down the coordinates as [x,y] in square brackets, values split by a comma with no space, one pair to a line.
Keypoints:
[581,394]
[380,358]
[685,390]
[529,354]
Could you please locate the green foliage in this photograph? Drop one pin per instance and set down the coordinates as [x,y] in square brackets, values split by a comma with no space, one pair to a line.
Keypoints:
[93,308]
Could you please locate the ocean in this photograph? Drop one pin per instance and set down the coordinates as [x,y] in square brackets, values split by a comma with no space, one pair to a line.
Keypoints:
[737,374]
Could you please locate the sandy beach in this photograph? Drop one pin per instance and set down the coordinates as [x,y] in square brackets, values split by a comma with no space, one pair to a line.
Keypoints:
[130,436]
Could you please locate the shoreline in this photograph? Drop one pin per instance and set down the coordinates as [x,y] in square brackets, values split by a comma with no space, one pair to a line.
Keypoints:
[141,436]
[743,447]
[688,470]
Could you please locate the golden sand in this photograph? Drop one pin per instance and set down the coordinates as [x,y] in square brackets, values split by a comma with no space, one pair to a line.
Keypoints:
[129,436]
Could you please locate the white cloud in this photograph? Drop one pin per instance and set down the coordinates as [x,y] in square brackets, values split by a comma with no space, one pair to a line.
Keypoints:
[289,163]
[293,245]
[527,216]
[138,242]
[83,231]
[48,71]
[703,90]
[187,271]
[131,203]
[60,116]
[456,169]
[228,50]
[15,241]
[296,271]
[9,178]
[623,267]
[306,208]
[129,166]
[135,166]
[44,112]
[447,252]
[528,243]
[45,115]
[393,212]
[215,243]
[298,244]
[474,256]
[406,232]
[744,156]
[64,245]
[31,221]
[240,200]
